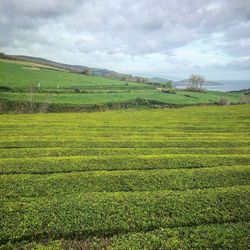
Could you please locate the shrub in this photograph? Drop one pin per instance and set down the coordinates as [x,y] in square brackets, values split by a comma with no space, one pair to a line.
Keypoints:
[193,89]
[194,97]
[169,84]
[244,99]
[168,91]
[77,90]
[223,101]
[5,89]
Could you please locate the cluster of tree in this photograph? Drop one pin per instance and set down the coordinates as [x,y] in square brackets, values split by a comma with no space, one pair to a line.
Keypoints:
[3,56]
[196,82]
[87,71]
[166,85]
[138,79]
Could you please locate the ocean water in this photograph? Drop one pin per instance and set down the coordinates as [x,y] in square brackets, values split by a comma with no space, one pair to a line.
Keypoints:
[229,85]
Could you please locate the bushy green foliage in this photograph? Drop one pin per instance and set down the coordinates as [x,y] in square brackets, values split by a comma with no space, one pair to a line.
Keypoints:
[168,91]
[113,213]
[28,185]
[223,101]
[93,163]
[142,179]
[215,236]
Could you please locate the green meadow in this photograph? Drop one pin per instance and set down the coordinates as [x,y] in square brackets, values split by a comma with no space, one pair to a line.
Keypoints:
[22,76]
[126,179]
[61,90]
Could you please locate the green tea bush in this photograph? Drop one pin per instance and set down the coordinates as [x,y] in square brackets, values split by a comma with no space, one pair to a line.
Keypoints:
[127,179]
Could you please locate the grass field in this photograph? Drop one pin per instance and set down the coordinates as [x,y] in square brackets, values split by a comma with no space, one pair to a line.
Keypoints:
[102,98]
[15,75]
[142,179]
[71,89]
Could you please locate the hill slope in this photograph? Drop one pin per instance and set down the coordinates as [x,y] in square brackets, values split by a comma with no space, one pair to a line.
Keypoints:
[68,67]
[24,88]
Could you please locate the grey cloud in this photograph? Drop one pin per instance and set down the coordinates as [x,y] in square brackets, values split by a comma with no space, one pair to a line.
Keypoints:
[131,27]
[239,48]
[38,8]
[124,28]
[239,64]
[237,40]
[141,27]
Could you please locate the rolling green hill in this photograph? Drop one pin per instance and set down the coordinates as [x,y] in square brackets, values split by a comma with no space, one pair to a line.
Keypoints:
[62,66]
[24,84]
[24,76]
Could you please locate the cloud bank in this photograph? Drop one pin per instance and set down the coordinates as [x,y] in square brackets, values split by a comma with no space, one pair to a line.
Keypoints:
[148,37]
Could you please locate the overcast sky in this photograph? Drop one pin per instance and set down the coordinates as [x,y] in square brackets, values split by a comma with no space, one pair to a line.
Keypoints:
[141,37]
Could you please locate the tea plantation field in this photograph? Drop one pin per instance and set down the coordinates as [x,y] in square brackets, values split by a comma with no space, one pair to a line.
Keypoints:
[127,179]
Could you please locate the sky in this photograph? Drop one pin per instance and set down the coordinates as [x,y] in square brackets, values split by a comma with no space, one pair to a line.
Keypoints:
[165,38]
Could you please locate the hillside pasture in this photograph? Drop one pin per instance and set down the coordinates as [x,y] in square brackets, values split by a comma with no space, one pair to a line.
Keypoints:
[15,76]
[64,91]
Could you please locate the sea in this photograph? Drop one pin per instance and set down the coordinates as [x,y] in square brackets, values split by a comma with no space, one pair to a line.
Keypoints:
[230,85]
